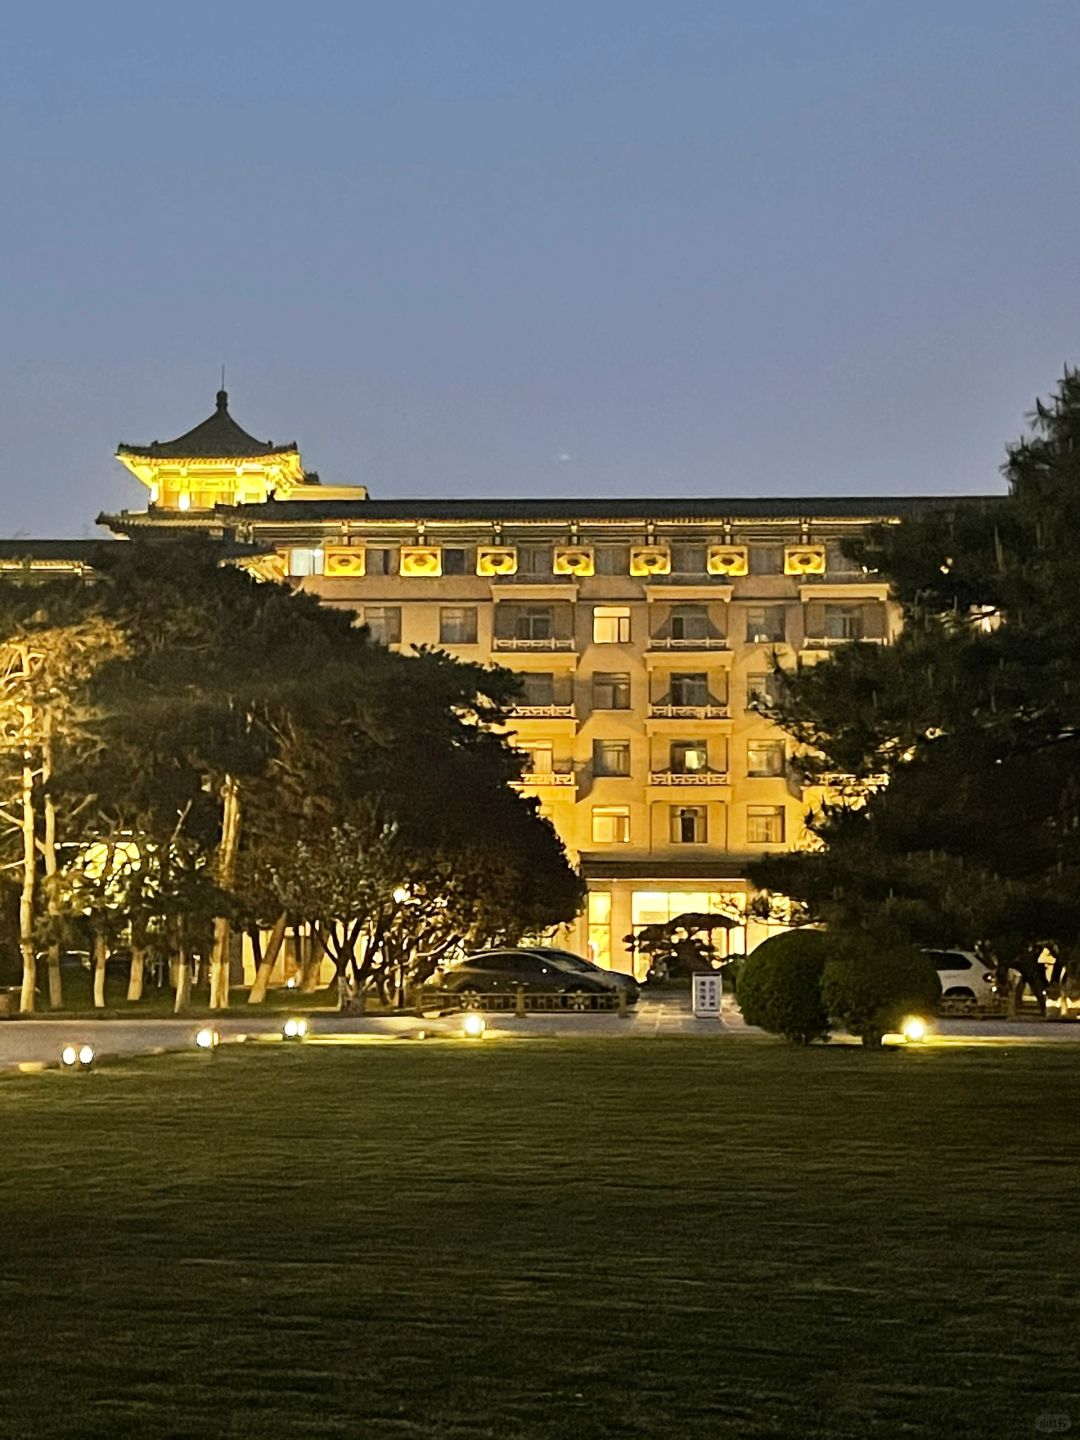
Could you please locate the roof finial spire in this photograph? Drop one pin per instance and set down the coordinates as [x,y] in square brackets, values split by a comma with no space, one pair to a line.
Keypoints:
[222,394]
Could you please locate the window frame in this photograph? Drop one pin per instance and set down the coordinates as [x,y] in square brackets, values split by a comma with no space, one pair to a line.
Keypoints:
[618,616]
[462,610]
[618,680]
[623,746]
[775,813]
[614,813]
[699,824]
[773,748]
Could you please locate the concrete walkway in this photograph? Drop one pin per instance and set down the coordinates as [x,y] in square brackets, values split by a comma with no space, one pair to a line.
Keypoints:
[31,1044]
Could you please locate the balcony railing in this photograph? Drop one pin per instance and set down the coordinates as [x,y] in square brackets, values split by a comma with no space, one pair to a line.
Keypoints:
[711,711]
[515,642]
[829,642]
[688,777]
[540,779]
[543,712]
[703,642]
[835,780]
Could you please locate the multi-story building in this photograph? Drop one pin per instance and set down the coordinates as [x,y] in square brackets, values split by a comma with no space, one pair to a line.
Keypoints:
[645,633]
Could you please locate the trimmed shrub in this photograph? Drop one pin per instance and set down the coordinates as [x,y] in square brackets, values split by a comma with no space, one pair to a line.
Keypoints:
[779,986]
[869,986]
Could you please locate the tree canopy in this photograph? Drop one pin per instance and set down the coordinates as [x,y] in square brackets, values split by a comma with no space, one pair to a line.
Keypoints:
[256,759]
[960,820]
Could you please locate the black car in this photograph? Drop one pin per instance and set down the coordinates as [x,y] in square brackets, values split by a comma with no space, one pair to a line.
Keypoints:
[503,972]
[617,978]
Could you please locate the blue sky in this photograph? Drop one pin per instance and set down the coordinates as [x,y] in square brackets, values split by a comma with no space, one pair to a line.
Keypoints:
[479,248]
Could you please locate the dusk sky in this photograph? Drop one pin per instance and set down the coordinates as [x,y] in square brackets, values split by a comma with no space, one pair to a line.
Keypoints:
[484,248]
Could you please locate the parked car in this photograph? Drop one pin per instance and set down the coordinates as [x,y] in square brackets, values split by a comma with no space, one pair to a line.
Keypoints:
[618,978]
[502,972]
[963,976]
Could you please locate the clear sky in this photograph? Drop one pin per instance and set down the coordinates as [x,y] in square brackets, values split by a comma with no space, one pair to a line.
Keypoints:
[490,247]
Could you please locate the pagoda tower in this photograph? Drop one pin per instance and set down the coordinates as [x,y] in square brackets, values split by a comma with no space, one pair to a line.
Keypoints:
[219,463]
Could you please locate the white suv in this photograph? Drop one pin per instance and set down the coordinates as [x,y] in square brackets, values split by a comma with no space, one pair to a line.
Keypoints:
[963,976]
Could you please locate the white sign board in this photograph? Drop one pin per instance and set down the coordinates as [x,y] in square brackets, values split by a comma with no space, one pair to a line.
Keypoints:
[706,991]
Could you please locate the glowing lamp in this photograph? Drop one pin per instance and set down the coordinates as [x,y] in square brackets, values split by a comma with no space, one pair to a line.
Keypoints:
[914,1028]
[77,1057]
[473,1026]
[207,1038]
[294,1029]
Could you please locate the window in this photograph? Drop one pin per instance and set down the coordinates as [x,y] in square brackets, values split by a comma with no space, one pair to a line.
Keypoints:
[764,624]
[306,562]
[843,622]
[384,622]
[688,559]
[457,624]
[689,622]
[534,559]
[611,757]
[688,824]
[611,825]
[381,560]
[765,824]
[539,758]
[538,689]
[763,688]
[688,757]
[612,560]
[766,559]
[600,927]
[689,689]
[765,757]
[534,622]
[610,691]
[611,625]
[454,561]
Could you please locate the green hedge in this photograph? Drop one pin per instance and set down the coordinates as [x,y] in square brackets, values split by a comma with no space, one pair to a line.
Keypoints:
[779,986]
[869,985]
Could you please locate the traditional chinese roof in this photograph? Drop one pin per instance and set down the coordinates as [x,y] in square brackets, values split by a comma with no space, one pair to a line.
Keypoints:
[218,438]
[690,509]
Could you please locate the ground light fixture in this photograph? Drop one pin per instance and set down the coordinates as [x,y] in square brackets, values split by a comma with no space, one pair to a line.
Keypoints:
[913,1028]
[207,1038]
[473,1026]
[77,1057]
[294,1029]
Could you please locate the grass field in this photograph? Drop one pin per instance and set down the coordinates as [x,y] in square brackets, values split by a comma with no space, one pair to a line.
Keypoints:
[573,1240]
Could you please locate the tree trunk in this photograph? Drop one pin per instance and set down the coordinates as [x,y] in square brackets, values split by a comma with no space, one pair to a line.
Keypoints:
[138,972]
[48,850]
[267,962]
[230,838]
[29,875]
[101,956]
[312,962]
[183,977]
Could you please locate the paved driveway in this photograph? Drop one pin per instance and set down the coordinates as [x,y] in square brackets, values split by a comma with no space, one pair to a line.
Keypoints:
[36,1042]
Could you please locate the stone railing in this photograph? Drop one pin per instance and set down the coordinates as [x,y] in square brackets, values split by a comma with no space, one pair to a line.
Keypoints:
[543,712]
[688,777]
[705,642]
[710,711]
[514,642]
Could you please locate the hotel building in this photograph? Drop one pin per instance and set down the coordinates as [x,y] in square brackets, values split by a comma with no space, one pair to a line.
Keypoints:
[645,633]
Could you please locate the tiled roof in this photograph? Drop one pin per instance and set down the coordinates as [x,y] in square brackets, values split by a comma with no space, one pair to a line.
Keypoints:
[691,508]
[51,550]
[218,437]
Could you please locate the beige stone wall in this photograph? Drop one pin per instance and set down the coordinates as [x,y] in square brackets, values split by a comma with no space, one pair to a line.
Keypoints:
[741,813]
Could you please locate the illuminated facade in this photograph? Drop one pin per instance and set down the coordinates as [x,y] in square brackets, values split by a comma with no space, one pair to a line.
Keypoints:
[644,632]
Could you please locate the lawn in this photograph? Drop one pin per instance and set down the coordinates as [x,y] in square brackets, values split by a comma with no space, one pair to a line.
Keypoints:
[584,1239]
